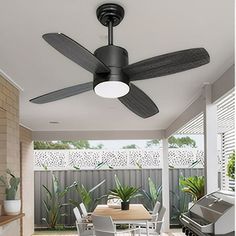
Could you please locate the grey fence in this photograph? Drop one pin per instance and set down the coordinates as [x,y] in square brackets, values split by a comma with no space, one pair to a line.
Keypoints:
[89,178]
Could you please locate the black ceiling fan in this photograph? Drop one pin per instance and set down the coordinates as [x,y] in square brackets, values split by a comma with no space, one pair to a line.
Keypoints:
[110,68]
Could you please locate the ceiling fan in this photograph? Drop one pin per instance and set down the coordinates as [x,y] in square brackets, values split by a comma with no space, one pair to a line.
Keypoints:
[111,72]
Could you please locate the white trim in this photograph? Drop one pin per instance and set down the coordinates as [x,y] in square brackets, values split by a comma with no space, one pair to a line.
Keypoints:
[10,80]
[23,126]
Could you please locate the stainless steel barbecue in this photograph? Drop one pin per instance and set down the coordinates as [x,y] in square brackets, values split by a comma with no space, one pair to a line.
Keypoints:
[211,215]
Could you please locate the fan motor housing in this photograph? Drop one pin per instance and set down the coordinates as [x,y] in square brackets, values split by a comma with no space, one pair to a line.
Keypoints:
[115,58]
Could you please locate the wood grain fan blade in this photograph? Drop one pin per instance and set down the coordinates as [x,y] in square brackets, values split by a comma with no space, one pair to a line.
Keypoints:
[75,52]
[139,103]
[63,93]
[167,64]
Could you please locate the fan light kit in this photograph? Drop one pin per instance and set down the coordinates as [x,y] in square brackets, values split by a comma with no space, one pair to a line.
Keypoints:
[112,73]
[111,89]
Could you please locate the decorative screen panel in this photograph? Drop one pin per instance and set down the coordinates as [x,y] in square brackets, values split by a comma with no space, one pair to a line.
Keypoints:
[118,159]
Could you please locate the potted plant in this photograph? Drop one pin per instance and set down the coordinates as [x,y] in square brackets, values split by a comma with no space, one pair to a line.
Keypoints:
[124,192]
[11,205]
[193,185]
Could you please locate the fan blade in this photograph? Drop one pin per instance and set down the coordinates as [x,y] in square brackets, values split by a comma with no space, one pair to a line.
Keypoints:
[75,52]
[63,93]
[167,64]
[139,103]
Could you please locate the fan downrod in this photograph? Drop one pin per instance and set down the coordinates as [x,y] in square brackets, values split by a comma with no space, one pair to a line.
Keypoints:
[110,12]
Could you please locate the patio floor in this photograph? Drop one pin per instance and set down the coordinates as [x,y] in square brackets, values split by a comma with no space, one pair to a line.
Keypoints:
[173,232]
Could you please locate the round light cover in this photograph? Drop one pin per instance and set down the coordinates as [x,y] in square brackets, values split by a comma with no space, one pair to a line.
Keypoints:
[111,89]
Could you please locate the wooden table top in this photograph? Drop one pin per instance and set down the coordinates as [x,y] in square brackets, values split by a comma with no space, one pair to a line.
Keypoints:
[135,212]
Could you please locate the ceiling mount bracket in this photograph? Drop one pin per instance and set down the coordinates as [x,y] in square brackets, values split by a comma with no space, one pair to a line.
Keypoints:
[110,12]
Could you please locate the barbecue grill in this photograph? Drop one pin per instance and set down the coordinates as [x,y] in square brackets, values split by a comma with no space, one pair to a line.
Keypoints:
[213,214]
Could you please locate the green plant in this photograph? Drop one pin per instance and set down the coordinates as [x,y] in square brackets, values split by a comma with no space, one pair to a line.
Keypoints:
[179,206]
[102,165]
[86,196]
[11,185]
[80,144]
[53,203]
[181,142]
[124,192]
[231,166]
[152,195]
[193,185]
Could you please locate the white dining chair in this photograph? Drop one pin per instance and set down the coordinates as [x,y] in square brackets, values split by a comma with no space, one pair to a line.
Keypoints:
[83,228]
[159,221]
[104,226]
[84,211]
[156,208]
[154,225]
[77,213]
[114,202]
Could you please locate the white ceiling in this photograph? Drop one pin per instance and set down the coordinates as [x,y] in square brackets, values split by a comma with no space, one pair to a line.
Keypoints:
[149,28]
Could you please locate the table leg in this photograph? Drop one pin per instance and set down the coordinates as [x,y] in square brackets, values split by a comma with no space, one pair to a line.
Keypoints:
[147,228]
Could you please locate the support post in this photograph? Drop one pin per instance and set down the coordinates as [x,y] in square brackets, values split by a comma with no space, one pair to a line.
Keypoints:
[210,142]
[165,186]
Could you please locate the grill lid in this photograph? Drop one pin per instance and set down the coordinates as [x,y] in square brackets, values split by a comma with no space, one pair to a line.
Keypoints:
[213,206]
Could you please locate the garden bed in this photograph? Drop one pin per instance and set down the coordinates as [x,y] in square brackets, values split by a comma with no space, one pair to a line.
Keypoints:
[60,230]
[50,232]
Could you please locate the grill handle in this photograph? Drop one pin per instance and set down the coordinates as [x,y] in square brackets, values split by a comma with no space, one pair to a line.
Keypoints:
[203,228]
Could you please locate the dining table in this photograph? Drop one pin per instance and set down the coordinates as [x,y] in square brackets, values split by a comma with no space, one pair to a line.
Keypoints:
[136,214]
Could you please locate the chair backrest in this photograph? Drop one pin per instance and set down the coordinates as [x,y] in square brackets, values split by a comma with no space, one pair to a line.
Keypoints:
[114,202]
[103,225]
[156,208]
[160,218]
[77,214]
[161,213]
[82,229]
[83,209]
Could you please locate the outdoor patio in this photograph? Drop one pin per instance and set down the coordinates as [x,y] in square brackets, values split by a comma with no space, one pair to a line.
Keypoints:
[90,167]
[134,166]
[75,75]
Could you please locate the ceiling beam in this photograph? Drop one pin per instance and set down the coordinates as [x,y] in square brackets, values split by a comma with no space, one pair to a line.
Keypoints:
[191,112]
[223,85]
[96,135]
